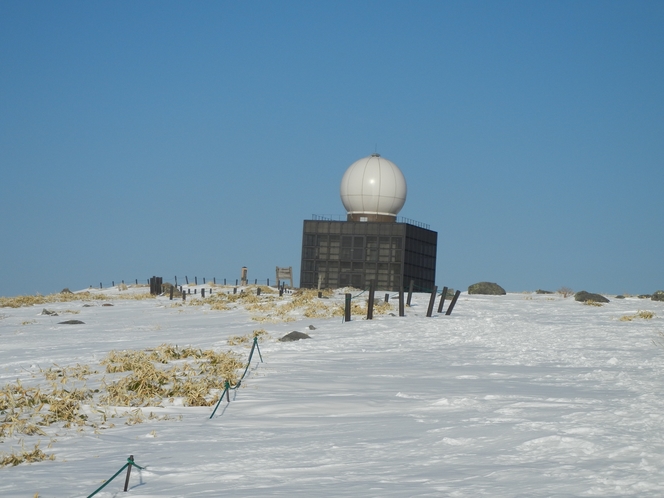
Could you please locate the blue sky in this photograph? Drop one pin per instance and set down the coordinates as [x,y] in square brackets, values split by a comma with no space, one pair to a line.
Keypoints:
[192,138]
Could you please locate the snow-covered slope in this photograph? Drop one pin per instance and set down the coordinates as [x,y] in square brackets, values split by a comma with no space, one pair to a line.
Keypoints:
[517,395]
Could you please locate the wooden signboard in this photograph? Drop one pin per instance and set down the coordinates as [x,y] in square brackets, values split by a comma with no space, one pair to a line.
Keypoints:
[285,274]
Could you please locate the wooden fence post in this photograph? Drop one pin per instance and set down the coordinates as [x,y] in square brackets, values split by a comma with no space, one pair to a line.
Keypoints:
[454,300]
[370,301]
[347,304]
[442,300]
[432,301]
[410,291]
[401,306]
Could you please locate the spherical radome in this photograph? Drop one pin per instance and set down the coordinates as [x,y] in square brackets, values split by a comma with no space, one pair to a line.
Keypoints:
[373,186]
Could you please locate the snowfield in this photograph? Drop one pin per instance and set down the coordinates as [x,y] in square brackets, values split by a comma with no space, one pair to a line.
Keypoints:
[518,395]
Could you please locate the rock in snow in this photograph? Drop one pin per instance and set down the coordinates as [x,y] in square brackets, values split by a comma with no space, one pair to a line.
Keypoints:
[583,296]
[294,336]
[486,288]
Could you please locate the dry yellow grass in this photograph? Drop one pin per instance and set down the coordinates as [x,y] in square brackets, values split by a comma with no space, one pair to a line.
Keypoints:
[38,299]
[24,456]
[236,340]
[150,385]
[592,303]
[645,315]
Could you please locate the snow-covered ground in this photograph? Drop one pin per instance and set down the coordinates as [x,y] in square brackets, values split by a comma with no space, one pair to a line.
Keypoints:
[518,395]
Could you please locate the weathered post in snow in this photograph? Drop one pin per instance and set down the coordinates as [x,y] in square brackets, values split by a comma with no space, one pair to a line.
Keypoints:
[442,300]
[370,301]
[454,300]
[410,291]
[347,305]
[401,306]
[203,292]
[387,298]
[258,291]
[432,301]
[172,288]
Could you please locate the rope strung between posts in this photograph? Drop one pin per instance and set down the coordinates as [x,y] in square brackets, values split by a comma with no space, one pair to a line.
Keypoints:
[227,386]
[130,461]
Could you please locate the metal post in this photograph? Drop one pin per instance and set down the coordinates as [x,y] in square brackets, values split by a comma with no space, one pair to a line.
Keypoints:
[131,460]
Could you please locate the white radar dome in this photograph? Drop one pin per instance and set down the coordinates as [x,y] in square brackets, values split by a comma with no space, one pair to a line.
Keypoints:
[373,189]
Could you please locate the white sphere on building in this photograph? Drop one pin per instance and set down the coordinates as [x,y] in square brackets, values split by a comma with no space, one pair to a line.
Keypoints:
[373,189]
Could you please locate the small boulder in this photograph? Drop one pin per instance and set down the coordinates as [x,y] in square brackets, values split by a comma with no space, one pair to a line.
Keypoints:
[620,296]
[645,296]
[311,327]
[540,291]
[294,336]
[486,288]
[107,304]
[583,297]
[71,322]
[658,296]
[48,312]
[66,291]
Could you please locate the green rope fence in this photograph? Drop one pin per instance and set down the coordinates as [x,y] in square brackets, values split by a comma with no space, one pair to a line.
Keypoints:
[227,386]
[130,462]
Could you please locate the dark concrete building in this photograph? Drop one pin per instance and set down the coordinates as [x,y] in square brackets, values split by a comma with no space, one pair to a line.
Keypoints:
[352,253]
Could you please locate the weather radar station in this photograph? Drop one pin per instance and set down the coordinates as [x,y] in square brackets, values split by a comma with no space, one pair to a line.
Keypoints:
[372,243]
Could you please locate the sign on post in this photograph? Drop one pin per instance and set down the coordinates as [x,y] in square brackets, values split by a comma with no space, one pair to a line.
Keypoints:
[285,274]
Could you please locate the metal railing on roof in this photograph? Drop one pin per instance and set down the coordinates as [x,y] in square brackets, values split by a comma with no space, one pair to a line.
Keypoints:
[338,217]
